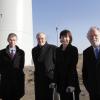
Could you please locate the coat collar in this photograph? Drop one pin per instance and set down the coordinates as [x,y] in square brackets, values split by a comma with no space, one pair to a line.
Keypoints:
[45,45]
[7,48]
[93,54]
[97,60]
[8,53]
[68,46]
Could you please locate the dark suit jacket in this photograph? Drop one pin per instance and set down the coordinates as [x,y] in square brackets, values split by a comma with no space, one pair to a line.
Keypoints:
[65,70]
[12,75]
[91,71]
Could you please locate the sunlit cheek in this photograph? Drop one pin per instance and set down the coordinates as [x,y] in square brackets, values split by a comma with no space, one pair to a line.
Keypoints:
[96,42]
[14,42]
[98,38]
[99,41]
[39,41]
[67,40]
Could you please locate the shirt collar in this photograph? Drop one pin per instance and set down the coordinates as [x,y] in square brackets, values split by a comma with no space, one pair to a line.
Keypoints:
[96,48]
[14,49]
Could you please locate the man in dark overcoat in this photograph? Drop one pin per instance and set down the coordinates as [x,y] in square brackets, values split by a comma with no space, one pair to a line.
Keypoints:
[44,61]
[11,70]
[91,64]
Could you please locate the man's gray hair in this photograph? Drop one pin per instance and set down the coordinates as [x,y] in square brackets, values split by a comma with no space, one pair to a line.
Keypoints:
[11,35]
[40,33]
[92,29]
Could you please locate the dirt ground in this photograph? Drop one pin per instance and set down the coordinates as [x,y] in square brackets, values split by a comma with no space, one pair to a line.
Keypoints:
[29,84]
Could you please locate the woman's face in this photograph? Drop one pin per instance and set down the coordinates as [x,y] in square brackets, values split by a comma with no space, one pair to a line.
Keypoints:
[65,40]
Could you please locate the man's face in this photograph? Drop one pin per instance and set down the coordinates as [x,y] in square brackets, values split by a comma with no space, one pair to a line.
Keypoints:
[41,39]
[12,41]
[95,38]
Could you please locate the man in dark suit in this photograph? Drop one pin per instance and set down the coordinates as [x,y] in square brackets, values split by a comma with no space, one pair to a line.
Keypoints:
[44,61]
[11,69]
[91,64]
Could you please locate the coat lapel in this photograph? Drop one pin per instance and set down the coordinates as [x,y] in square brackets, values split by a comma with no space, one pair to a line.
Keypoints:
[92,53]
[42,52]
[94,57]
[16,56]
[99,56]
[8,53]
[98,61]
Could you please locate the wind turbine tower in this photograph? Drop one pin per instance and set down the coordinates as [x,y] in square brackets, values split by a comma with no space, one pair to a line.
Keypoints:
[16,17]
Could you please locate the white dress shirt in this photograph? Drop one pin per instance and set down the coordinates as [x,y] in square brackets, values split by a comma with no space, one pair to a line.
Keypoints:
[14,50]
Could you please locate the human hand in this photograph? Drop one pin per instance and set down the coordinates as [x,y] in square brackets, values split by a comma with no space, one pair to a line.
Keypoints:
[52,85]
[70,89]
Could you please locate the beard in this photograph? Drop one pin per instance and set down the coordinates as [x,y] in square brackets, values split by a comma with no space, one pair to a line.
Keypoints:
[95,43]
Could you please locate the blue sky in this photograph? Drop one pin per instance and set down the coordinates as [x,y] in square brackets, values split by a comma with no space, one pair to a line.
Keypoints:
[75,15]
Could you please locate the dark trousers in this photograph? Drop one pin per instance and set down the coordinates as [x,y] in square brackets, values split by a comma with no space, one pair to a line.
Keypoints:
[68,96]
[42,90]
[94,96]
[10,98]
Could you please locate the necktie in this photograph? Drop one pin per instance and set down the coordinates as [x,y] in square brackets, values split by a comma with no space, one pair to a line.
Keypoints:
[12,54]
[97,53]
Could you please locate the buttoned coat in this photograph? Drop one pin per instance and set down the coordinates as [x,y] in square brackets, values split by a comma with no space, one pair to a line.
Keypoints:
[12,75]
[91,71]
[65,70]
[44,62]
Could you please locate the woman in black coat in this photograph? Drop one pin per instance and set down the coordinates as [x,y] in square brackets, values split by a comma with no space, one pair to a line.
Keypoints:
[66,76]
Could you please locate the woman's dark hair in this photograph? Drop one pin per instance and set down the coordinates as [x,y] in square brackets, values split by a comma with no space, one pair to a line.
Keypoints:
[66,33]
